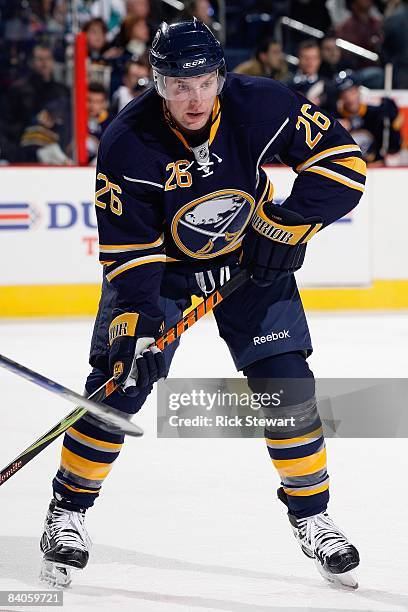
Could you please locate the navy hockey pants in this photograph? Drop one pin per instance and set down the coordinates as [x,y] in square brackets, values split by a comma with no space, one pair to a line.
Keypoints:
[267,335]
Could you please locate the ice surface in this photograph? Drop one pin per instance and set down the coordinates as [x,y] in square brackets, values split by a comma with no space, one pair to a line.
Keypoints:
[195,524]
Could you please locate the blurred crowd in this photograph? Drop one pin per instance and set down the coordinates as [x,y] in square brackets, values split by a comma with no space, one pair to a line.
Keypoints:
[261,38]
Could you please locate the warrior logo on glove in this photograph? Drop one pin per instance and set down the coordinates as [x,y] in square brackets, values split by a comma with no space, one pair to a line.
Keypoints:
[283,225]
[134,359]
[275,243]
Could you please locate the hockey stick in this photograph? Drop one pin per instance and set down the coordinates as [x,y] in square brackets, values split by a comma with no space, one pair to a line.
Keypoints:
[109,387]
[113,416]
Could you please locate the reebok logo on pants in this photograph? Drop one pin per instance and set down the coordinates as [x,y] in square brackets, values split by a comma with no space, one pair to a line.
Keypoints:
[281,335]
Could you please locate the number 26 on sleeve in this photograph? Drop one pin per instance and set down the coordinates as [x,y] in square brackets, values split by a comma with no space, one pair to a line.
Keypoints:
[318,119]
[108,187]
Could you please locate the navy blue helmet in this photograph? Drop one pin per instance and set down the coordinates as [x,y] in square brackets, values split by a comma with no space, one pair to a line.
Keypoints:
[345,80]
[185,49]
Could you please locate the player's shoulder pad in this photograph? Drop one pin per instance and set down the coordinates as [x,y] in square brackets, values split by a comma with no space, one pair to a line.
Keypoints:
[256,100]
[123,143]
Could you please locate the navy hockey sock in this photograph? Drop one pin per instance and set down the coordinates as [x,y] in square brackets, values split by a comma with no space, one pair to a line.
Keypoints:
[297,450]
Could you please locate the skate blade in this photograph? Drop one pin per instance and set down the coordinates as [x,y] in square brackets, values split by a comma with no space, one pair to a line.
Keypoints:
[347,580]
[55,575]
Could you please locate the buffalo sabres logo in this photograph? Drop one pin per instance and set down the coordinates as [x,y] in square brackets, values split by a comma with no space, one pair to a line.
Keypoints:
[212,225]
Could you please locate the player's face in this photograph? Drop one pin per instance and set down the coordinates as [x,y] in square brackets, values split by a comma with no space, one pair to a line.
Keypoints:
[351,100]
[190,100]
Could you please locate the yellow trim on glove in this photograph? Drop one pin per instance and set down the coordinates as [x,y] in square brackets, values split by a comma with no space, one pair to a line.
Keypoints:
[123,325]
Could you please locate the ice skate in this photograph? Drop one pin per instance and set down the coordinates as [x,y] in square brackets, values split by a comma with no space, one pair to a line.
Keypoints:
[321,540]
[65,544]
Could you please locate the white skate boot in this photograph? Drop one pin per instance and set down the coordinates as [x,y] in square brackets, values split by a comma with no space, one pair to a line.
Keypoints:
[321,540]
[65,544]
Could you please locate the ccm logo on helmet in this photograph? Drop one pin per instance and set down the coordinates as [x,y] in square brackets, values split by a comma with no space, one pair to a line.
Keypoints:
[195,63]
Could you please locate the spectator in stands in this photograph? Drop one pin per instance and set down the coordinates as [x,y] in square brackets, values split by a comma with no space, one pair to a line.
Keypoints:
[51,15]
[111,11]
[376,129]
[268,61]
[133,37]
[309,59]
[45,141]
[363,28]
[307,79]
[135,82]
[20,23]
[28,96]
[338,11]
[98,117]
[138,8]
[332,61]
[396,43]
[96,37]
[203,10]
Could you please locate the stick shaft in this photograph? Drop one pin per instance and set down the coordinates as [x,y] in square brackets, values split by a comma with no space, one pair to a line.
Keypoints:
[110,386]
[49,436]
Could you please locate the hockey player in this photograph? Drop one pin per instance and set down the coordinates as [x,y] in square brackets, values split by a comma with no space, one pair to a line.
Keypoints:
[366,123]
[182,202]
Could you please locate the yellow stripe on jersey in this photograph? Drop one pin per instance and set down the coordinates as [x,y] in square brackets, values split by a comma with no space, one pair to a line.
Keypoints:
[123,248]
[303,466]
[339,178]
[354,163]
[140,261]
[326,153]
[91,470]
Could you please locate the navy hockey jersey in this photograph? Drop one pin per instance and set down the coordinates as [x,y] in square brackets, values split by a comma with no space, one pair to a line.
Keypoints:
[367,128]
[162,201]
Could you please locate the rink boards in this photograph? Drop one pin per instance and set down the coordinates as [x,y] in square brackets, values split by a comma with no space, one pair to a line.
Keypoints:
[48,239]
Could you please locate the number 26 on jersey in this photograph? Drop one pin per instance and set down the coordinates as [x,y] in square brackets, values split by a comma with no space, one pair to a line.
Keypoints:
[306,120]
[112,190]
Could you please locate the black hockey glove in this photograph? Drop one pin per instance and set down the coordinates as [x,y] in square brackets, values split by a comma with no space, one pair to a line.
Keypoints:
[133,361]
[275,242]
